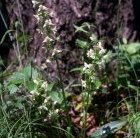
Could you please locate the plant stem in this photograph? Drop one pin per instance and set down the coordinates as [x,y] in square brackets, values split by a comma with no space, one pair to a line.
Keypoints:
[63,93]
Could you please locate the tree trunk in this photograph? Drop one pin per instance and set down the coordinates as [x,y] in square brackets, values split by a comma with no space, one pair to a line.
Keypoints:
[22,21]
[113,20]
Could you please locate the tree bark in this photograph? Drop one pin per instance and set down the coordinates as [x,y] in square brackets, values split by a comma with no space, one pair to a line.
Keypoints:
[113,20]
[22,20]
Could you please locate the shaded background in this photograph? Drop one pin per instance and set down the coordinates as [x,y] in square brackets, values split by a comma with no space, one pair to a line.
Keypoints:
[113,20]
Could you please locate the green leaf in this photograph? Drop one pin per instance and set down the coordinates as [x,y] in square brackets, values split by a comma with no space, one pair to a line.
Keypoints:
[133,87]
[50,87]
[80,29]
[30,85]
[79,69]
[82,44]
[135,122]
[17,78]
[30,73]
[4,36]
[26,74]
[132,48]
[1,86]
[1,62]
[98,84]
[19,105]
[12,88]
[104,90]
[56,97]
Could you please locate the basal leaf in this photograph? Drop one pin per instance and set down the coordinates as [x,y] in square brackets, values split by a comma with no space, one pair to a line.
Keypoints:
[12,88]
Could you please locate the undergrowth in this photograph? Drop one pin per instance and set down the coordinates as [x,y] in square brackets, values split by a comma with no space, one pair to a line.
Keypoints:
[33,107]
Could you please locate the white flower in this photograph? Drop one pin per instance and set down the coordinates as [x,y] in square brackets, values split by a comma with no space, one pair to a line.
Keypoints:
[37,18]
[35,3]
[47,22]
[100,44]
[90,53]
[100,66]
[43,108]
[39,31]
[83,83]
[47,99]
[55,102]
[44,85]
[36,82]
[42,8]
[47,39]
[93,37]
[54,29]
[43,66]
[48,60]
[56,51]
[102,51]
[34,93]
[87,66]
[56,111]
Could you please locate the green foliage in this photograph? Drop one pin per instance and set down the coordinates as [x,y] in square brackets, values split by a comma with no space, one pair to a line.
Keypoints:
[82,44]
[103,68]
[134,124]
[128,62]
[24,77]
[26,99]
[132,48]
[4,36]
[31,107]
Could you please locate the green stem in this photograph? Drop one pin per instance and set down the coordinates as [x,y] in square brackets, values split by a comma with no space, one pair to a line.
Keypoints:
[63,93]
